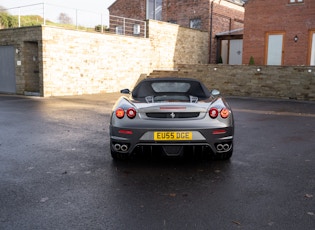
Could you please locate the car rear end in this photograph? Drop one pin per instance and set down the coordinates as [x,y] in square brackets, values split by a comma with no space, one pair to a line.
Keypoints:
[203,126]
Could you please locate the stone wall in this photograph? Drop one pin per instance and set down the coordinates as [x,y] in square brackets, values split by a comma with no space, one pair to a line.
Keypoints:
[287,82]
[71,62]
[172,44]
[76,62]
[21,39]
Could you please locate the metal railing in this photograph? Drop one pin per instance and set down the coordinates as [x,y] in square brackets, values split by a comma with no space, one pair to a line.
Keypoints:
[70,18]
[127,26]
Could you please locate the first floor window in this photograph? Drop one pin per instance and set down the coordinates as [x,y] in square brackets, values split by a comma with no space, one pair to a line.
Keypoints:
[296,1]
[195,23]
[136,29]
[154,9]
[119,30]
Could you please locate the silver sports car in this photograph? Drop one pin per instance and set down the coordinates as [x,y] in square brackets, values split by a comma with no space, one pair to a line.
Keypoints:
[171,116]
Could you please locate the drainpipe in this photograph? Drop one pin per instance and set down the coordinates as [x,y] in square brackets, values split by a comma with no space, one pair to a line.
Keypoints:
[211,19]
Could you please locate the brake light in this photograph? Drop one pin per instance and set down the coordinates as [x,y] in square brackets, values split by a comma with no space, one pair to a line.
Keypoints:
[120,113]
[131,113]
[213,113]
[225,113]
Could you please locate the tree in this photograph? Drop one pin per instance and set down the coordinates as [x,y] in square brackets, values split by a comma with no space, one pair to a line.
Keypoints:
[64,19]
[7,20]
[251,60]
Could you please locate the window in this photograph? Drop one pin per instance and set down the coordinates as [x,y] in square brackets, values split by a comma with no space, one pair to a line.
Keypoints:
[119,30]
[136,29]
[195,23]
[170,86]
[154,9]
[296,1]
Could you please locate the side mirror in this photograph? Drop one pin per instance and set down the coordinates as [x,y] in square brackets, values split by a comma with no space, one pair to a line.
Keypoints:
[215,92]
[125,91]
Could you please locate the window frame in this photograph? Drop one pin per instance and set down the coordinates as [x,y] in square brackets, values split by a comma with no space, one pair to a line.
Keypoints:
[295,1]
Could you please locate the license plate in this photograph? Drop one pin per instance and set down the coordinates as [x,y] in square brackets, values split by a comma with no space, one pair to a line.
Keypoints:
[173,136]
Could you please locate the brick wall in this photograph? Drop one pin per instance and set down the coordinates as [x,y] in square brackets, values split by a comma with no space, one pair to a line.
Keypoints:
[278,16]
[225,15]
[135,9]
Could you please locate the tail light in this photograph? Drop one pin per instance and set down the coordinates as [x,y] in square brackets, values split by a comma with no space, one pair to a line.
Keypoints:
[214,113]
[120,113]
[131,113]
[225,113]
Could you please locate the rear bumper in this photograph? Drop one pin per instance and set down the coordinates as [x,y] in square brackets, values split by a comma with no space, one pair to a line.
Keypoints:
[131,139]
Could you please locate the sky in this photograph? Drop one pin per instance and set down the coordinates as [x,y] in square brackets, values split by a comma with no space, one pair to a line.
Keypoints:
[85,12]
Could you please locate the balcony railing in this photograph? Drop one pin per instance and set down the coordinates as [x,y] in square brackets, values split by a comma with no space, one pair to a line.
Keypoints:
[70,18]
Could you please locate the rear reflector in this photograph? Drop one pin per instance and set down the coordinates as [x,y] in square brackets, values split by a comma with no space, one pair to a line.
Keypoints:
[123,131]
[219,131]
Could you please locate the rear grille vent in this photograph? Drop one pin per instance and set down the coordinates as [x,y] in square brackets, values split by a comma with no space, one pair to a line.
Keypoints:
[173,115]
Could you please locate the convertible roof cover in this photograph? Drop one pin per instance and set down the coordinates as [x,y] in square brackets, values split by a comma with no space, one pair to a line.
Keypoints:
[158,86]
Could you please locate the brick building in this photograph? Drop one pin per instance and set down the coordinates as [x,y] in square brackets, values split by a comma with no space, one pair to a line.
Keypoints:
[213,16]
[280,32]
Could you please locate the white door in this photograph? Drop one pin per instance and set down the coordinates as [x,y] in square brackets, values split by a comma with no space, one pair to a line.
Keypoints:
[235,54]
[274,55]
[313,50]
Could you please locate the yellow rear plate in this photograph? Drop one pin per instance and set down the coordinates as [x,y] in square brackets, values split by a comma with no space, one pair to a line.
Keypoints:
[173,136]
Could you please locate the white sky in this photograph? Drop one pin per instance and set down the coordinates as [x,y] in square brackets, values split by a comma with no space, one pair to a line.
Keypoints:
[86,11]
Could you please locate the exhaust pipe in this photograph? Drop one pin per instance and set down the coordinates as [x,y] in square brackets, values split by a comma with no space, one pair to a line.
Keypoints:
[223,147]
[117,147]
[219,147]
[226,147]
[124,148]
[120,147]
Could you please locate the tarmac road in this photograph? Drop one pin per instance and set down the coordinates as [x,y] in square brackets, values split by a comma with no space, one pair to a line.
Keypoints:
[56,171]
